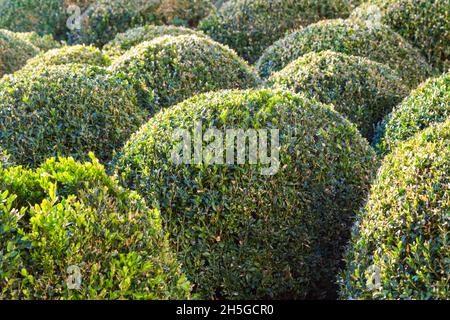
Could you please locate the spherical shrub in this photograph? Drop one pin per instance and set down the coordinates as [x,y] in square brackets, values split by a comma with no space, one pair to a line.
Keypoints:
[251,26]
[184,12]
[422,22]
[363,90]
[14,53]
[400,247]
[428,104]
[65,110]
[354,37]
[68,219]
[44,43]
[169,69]
[242,230]
[125,41]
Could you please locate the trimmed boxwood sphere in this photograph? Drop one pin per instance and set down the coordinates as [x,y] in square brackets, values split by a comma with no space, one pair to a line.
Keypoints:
[400,247]
[125,41]
[241,234]
[251,26]
[169,69]
[362,90]
[65,110]
[354,37]
[423,22]
[68,214]
[428,104]
[44,43]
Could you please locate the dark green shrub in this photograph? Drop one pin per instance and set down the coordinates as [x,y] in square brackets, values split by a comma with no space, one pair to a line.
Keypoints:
[169,69]
[44,43]
[428,104]
[241,234]
[400,246]
[423,22]
[67,214]
[362,90]
[125,41]
[353,37]
[250,26]
[65,110]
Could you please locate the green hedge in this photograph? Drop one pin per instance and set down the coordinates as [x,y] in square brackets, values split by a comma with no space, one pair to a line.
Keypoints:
[251,26]
[354,37]
[423,22]
[44,43]
[428,104]
[169,69]
[241,234]
[400,246]
[362,90]
[65,110]
[67,214]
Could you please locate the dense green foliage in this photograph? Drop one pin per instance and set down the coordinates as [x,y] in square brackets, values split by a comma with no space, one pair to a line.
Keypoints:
[354,37]
[242,234]
[400,246]
[169,69]
[65,110]
[67,214]
[44,43]
[362,90]
[428,104]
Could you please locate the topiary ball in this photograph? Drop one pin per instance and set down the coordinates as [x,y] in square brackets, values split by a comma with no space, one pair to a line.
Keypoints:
[362,90]
[428,104]
[252,231]
[400,247]
[68,231]
[251,26]
[353,37]
[168,69]
[65,110]
[43,43]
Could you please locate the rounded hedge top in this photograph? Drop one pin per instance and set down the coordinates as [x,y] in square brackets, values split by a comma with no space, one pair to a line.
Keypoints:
[65,110]
[428,104]
[44,43]
[169,69]
[251,26]
[400,247]
[423,22]
[69,215]
[239,233]
[354,37]
[125,41]
[363,90]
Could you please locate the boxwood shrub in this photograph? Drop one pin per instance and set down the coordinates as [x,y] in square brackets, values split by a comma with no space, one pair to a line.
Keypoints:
[65,110]
[44,43]
[170,69]
[251,26]
[400,247]
[67,215]
[362,90]
[354,37]
[239,233]
[423,22]
[428,104]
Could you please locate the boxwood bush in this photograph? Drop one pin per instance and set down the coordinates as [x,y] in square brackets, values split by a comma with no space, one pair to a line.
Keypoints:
[44,43]
[251,26]
[354,37]
[169,69]
[400,247]
[362,90]
[65,110]
[423,22]
[67,214]
[239,233]
[428,104]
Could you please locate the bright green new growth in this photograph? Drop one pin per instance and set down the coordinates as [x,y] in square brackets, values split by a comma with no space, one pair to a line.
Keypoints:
[400,245]
[65,111]
[169,69]
[354,37]
[428,104]
[67,215]
[241,234]
[362,90]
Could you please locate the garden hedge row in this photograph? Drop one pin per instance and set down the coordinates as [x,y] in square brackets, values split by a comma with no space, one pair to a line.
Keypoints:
[44,43]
